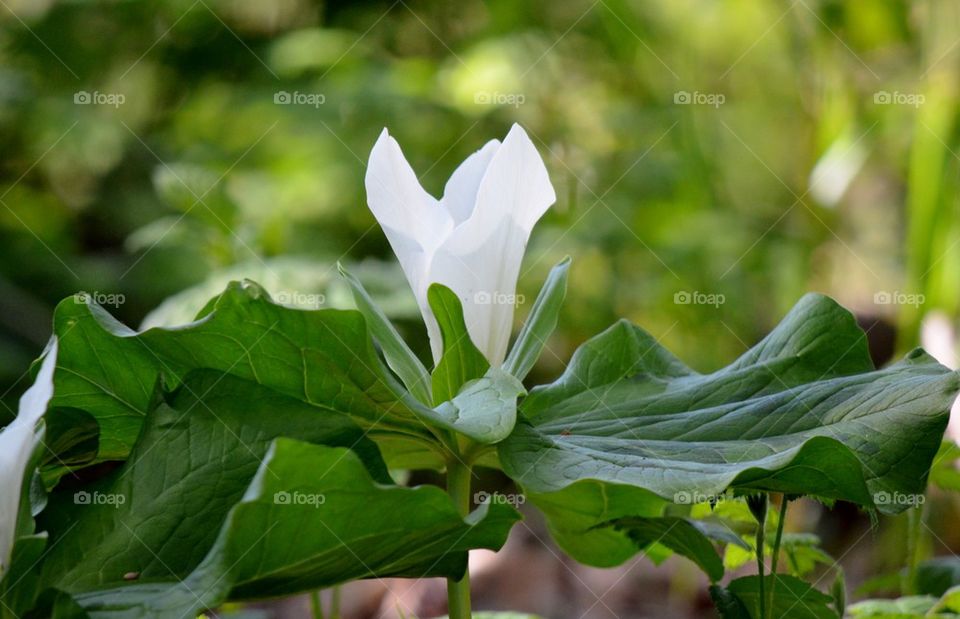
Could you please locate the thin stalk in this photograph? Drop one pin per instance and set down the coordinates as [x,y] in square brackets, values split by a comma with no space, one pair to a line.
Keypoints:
[316,606]
[458,487]
[776,549]
[335,602]
[914,531]
[760,512]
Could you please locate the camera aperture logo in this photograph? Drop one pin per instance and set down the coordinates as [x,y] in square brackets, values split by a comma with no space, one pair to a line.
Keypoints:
[715,99]
[315,99]
[499,498]
[115,99]
[294,298]
[688,497]
[498,298]
[684,297]
[104,299]
[884,97]
[898,498]
[485,97]
[299,498]
[896,297]
[96,497]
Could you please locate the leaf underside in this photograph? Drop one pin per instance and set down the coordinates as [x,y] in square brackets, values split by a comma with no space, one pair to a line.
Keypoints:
[802,412]
[335,524]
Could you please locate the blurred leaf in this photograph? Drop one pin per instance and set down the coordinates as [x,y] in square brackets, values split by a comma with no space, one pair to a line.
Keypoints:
[945,473]
[935,576]
[949,601]
[902,608]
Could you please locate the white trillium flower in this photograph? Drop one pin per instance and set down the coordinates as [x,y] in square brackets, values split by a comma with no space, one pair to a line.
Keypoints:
[17,442]
[473,239]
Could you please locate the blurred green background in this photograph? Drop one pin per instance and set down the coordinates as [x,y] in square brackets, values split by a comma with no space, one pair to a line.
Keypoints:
[752,150]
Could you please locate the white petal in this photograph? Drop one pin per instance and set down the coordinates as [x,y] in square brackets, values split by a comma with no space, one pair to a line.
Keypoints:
[485,279]
[17,442]
[480,260]
[460,192]
[412,219]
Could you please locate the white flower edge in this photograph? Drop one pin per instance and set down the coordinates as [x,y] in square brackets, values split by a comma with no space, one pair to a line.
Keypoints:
[473,239]
[17,443]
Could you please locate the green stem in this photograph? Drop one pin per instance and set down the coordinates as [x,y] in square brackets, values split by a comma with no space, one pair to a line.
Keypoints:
[914,531]
[761,516]
[335,602]
[776,548]
[316,606]
[458,487]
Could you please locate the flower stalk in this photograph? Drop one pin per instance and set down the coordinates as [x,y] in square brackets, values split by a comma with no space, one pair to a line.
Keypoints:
[458,487]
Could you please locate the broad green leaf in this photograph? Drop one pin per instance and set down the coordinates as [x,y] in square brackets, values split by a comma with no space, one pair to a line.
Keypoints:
[104,370]
[573,513]
[799,413]
[677,534]
[73,440]
[462,361]
[322,357]
[792,599]
[540,323]
[197,454]
[56,604]
[296,530]
[396,352]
